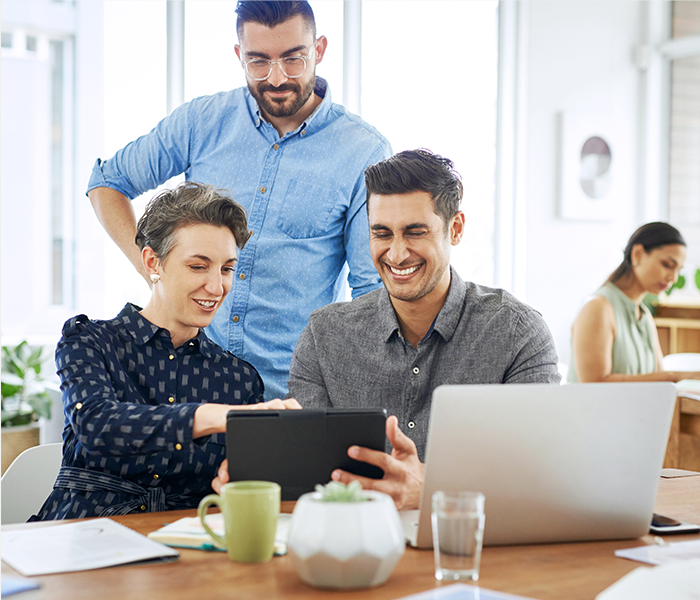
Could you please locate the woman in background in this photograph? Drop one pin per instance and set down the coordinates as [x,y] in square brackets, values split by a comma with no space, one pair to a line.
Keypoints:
[614,337]
[146,394]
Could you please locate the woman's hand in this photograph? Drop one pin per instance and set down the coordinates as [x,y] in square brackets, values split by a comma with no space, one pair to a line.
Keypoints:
[276,404]
[211,418]
[221,476]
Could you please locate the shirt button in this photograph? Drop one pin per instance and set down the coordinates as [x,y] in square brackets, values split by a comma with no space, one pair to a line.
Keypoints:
[303,132]
[171,399]
[411,424]
[178,446]
[79,405]
[156,476]
[257,122]
[416,370]
[191,343]
[263,189]
[143,507]
[276,146]
[171,357]
[236,319]
[241,276]
[251,232]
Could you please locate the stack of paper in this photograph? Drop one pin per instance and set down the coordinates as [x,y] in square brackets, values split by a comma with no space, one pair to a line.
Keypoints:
[689,388]
[80,546]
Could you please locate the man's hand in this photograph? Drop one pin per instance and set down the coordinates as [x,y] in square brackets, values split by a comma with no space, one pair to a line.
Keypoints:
[403,472]
[276,404]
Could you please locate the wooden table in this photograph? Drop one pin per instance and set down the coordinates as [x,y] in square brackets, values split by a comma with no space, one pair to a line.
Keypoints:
[555,571]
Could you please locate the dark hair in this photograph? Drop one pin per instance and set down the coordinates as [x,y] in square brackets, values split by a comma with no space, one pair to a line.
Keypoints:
[418,171]
[188,204]
[272,13]
[652,235]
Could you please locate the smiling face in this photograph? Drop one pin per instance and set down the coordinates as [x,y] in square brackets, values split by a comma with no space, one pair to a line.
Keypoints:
[280,96]
[194,279]
[658,269]
[410,245]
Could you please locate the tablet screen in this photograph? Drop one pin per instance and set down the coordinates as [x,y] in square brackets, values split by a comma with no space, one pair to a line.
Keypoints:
[300,448]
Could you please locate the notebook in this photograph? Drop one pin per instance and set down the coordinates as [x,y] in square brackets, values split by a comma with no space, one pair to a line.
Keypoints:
[555,463]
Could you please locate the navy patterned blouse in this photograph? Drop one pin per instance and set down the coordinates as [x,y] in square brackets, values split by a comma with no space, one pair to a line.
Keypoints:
[129,399]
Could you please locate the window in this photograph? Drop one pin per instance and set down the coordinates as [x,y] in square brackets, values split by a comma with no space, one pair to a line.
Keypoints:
[429,79]
[684,171]
[36,182]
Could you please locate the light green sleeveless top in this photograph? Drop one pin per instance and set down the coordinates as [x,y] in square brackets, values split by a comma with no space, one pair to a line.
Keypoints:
[633,346]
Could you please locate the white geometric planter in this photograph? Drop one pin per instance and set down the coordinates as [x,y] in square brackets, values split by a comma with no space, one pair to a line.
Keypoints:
[345,544]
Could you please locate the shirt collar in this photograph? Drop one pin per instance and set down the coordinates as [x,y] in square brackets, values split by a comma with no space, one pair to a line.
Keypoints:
[315,120]
[143,331]
[445,323]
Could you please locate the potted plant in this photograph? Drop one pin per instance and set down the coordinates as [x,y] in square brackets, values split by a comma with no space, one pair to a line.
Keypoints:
[24,399]
[345,537]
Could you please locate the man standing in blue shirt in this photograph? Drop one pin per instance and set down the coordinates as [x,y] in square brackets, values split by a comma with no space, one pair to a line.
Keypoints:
[291,157]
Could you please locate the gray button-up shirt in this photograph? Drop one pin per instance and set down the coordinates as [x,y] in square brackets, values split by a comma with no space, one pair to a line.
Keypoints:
[352,354]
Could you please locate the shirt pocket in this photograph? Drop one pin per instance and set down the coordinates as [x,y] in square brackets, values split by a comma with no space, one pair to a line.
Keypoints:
[306,210]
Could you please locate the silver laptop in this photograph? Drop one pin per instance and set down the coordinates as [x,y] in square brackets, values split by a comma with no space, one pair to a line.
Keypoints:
[556,463]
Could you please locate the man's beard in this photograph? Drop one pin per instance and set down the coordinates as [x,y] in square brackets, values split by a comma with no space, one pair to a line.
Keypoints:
[289,106]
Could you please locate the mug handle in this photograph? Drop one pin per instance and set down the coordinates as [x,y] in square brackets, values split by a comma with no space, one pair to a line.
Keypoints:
[207,501]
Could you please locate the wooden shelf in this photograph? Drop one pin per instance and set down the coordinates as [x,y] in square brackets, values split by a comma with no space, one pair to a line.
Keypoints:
[679,327]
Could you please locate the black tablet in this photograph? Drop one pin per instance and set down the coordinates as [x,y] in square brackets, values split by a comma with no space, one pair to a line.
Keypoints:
[300,448]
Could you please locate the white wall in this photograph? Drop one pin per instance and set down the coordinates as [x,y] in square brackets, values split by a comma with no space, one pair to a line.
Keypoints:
[579,60]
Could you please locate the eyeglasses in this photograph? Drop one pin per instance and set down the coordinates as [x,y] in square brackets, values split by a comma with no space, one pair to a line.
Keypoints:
[260,69]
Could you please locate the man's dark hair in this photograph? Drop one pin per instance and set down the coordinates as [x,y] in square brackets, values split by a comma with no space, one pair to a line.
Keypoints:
[418,171]
[273,13]
[650,236]
[189,203]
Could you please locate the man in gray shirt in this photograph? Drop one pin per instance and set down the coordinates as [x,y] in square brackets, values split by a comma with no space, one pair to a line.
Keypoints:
[392,347]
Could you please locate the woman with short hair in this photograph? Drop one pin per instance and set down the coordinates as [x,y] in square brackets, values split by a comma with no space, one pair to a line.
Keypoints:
[146,394]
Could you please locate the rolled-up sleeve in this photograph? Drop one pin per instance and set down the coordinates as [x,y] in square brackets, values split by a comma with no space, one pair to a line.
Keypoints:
[149,161]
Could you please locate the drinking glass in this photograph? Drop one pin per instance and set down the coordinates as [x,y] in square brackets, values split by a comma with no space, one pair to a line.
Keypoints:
[458,532]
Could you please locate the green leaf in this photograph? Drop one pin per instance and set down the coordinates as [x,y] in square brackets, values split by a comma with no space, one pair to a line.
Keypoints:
[677,285]
[9,389]
[24,397]
[697,279]
[41,404]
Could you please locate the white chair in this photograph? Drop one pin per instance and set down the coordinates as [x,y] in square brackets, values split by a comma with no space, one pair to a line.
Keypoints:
[683,361]
[28,481]
[563,369]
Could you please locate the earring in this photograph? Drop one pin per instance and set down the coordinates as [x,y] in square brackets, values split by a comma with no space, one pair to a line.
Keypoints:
[634,263]
[155,278]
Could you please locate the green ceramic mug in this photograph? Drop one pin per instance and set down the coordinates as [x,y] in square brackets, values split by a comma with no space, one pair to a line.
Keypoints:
[250,510]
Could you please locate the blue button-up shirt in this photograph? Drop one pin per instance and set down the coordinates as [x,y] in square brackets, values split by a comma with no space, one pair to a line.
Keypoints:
[129,399]
[305,198]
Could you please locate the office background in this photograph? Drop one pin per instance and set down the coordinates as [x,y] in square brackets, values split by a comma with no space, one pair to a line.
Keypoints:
[504,89]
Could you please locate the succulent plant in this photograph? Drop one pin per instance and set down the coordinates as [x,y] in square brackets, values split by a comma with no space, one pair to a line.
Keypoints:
[339,492]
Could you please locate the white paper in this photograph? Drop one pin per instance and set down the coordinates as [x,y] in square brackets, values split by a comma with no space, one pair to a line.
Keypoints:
[656,554]
[462,591]
[78,546]
[689,388]
[677,580]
